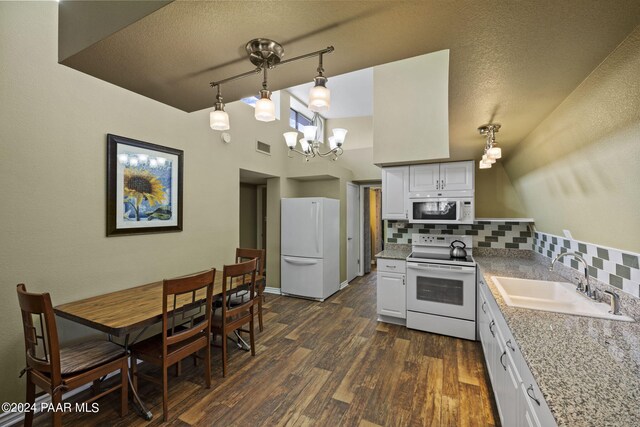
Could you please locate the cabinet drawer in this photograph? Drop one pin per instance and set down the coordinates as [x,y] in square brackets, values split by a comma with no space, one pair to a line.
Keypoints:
[392,265]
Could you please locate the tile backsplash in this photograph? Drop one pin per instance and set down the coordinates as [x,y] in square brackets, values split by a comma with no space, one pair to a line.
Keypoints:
[611,266]
[486,234]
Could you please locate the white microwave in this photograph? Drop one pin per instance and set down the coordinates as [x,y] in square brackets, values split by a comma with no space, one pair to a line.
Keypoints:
[442,210]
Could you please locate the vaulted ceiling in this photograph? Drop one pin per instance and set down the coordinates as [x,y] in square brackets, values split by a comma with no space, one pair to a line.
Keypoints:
[510,61]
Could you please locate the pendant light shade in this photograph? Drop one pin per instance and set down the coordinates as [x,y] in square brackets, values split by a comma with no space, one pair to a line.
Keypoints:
[309,132]
[265,108]
[494,152]
[332,143]
[319,96]
[484,165]
[219,120]
[291,138]
[305,145]
[487,159]
[339,135]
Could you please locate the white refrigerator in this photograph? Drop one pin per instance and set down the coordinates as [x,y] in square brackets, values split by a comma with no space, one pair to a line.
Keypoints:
[310,247]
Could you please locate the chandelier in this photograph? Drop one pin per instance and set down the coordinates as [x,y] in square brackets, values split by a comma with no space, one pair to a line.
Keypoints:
[491,150]
[266,54]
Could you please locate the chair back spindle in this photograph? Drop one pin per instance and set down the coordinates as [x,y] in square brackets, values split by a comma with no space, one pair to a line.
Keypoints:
[42,348]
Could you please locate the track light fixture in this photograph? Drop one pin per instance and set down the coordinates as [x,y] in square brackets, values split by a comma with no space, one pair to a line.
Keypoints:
[267,54]
[491,150]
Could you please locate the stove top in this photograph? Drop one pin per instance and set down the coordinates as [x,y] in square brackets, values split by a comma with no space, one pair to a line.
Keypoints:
[440,259]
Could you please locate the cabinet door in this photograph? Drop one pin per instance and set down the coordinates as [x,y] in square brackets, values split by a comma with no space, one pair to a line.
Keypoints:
[395,189]
[392,296]
[424,177]
[456,176]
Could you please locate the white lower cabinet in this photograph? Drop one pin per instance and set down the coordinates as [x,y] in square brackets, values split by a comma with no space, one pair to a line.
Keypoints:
[518,398]
[391,288]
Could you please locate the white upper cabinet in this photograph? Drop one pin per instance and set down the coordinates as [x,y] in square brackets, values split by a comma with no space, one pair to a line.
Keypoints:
[395,189]
[424,177]
[456,176]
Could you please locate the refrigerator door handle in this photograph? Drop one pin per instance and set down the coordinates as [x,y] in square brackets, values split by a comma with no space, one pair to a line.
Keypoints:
[317,212]
[298,261]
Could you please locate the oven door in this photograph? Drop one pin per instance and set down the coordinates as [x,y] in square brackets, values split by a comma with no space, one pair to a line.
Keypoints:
[435,211]
[445,290]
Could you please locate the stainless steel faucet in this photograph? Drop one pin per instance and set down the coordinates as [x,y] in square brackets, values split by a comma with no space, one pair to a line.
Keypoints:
[588,291]
[615,302]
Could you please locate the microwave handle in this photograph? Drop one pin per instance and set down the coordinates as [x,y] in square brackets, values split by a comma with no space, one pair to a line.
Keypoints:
[458,210]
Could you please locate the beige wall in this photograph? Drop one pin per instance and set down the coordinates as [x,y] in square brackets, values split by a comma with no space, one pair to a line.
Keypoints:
[411,109]
[496,197]
[360,131]
[579,169]
[248,227]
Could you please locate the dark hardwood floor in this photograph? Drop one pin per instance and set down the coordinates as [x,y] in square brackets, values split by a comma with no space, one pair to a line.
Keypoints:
[327,364]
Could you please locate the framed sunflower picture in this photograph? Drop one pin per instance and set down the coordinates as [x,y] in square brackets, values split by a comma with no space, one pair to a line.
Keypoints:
[144,187]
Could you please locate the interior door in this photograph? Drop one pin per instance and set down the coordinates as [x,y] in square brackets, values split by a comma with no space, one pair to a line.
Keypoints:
[353,227]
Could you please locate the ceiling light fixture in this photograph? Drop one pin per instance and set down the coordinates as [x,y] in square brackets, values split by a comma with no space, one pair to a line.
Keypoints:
[218,118]
[312,138]
[267,54]
[491,149]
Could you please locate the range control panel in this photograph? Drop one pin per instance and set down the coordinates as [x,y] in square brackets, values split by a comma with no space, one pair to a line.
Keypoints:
[439,240]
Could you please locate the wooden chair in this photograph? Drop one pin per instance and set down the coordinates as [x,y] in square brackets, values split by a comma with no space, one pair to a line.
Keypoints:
[185,330]
[58,369]
[243,254]
[228,317]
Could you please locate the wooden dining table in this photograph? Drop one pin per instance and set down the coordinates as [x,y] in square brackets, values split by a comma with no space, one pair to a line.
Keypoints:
[131,310]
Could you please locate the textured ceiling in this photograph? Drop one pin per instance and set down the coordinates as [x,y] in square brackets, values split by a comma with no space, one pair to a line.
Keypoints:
[510,61]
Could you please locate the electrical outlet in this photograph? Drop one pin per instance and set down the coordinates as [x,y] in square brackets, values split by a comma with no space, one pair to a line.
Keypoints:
[567,234]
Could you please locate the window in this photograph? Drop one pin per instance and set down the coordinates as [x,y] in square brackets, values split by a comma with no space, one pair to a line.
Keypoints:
[297,120]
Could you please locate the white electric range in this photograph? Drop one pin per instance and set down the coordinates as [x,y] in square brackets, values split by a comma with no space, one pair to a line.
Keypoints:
[441,290]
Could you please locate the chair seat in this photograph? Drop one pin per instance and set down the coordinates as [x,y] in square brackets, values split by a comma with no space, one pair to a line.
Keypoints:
[89,354]
[216,320]
[152,346]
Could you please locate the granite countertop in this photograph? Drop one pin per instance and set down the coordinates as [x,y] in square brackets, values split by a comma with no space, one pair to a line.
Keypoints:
[395,251]
[588,369]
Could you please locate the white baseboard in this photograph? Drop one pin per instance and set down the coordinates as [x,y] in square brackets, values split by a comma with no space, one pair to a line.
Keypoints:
[271,290]
[344,285]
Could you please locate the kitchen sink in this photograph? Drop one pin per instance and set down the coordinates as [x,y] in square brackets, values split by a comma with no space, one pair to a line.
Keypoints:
[559,297]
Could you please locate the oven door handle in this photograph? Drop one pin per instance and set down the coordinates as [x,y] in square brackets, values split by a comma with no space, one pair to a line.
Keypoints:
[453,268]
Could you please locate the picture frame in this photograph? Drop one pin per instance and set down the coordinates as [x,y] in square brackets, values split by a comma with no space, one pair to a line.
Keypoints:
[144,187]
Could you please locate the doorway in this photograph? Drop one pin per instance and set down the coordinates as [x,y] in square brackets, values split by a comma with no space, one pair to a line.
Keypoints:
[372,230]
[253,209]
[353,231]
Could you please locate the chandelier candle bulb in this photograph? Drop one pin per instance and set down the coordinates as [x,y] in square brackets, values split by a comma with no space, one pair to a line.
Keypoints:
[291,138]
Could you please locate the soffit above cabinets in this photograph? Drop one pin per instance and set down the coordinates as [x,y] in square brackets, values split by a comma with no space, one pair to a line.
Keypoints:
[511,62]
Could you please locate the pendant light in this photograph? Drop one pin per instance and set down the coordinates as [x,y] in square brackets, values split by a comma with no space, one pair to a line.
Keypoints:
[319,95]
[218,118]
[265,108]
[491,149]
